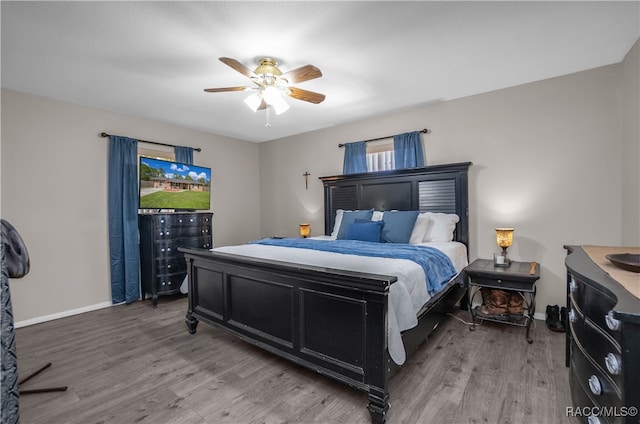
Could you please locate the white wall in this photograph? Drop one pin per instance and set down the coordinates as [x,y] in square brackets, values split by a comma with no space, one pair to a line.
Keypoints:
[54,191]
[546,160]
[629,116]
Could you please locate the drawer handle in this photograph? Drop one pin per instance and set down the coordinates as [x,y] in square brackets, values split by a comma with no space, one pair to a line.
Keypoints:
[573,286]
[592,419]
[595,386]
[612,323]
[612,361]
[572,316]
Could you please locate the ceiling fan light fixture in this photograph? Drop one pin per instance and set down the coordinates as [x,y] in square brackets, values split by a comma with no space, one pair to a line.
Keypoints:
[253,101]
[280,106]
[271,85]
[273,97]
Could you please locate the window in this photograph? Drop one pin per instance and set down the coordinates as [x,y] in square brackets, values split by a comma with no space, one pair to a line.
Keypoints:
[380,157]
[156,154]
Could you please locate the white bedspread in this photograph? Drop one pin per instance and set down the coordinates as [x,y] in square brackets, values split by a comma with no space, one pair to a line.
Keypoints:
[406,296]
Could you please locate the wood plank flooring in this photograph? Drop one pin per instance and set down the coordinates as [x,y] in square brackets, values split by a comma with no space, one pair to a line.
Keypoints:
[136,364]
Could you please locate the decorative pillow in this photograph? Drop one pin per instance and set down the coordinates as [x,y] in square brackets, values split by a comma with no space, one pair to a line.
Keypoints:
[348,218]
[364,230]
[441,226]
[419,229]
[398,226]
[377,216]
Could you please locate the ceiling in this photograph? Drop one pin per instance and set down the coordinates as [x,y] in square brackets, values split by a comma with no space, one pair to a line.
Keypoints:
[153,59]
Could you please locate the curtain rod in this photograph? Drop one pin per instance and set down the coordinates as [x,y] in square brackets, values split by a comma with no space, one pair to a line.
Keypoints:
[424,131]
[197,149]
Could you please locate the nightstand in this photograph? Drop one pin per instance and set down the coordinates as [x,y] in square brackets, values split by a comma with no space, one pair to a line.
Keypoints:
[516,280]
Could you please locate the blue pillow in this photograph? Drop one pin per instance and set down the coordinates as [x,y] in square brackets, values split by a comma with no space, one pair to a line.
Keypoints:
[349,217]
[365,230]
[398,226]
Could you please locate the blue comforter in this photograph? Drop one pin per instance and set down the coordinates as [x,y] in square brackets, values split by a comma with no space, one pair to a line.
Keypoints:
[437,266]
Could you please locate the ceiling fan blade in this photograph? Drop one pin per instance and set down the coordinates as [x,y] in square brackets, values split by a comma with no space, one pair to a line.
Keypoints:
[221,89]
[306,95]
[238,67]
[304,73]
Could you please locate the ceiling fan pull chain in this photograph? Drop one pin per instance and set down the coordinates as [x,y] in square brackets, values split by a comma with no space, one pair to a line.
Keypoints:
[268,111]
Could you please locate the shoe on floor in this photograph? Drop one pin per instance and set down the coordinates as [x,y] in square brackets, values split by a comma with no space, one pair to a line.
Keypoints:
[553,319]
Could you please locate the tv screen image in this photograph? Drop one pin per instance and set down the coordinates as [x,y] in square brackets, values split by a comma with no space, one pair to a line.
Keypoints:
[172,185]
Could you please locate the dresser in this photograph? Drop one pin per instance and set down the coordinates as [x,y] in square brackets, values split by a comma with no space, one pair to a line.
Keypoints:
[603,338]
[162,267]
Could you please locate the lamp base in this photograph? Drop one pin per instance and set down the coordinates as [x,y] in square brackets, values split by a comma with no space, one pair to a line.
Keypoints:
[501,260]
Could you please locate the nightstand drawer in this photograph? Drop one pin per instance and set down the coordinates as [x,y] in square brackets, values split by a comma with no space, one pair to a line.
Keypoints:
[500,283]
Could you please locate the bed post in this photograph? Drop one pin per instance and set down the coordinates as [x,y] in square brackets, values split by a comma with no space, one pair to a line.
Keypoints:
[378,405]
[377,343]
[190,320]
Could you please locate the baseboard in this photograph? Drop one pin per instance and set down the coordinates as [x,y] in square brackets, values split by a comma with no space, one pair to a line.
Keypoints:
[45,318]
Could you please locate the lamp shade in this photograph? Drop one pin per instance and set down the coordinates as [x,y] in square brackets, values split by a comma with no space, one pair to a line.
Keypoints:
[305,230]
[504,237]
[253,101]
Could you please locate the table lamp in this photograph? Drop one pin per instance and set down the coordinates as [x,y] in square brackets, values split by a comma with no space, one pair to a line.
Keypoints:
[504,238]
[305,229]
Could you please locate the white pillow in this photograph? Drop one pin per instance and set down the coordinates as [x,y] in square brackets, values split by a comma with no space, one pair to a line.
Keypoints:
[419,229]
[336,223]
[377,215]
[441,226]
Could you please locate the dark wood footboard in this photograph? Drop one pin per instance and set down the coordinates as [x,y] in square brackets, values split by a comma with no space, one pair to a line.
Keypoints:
[330,321]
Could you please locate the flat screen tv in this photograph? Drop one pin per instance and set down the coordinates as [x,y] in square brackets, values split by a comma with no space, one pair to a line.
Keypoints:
[172,185]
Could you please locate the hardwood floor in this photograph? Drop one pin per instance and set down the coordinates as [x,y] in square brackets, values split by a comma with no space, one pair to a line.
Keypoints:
[135,364]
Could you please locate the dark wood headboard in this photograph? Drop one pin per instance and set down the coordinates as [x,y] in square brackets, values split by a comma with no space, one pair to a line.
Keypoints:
[437,188]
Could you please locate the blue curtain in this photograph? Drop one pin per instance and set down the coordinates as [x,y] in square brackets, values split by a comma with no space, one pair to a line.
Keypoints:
[123,219]
[355,157]
[184,155]
[408,150]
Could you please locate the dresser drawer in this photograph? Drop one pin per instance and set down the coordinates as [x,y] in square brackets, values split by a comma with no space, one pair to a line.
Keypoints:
[182,220]
[170,282]
[593,380]
[601,347]
[169,248]
[170,265]
[170,233]
[594,303]
[582,400]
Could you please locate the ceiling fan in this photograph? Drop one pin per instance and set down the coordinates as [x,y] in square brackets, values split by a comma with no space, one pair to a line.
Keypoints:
[270,84]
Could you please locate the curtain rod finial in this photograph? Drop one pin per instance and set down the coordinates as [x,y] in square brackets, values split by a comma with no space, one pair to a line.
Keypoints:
[104,134]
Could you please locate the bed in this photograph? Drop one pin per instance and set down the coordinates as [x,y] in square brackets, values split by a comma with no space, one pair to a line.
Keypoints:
[335,319]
